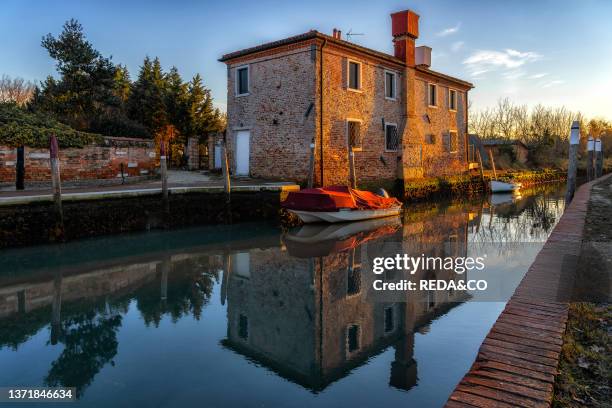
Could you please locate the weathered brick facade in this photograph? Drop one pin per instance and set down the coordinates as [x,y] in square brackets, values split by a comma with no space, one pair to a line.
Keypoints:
[282,110]
[137,156]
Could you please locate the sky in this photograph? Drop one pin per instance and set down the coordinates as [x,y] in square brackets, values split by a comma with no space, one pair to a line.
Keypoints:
[549,52]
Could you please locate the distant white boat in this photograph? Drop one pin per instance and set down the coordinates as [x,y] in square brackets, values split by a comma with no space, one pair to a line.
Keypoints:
[345,215]
[503,187]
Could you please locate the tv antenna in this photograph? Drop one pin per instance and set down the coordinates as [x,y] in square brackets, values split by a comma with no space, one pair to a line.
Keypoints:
[350,34]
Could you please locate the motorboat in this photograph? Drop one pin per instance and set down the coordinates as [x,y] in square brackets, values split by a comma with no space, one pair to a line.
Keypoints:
[503,187]
[340,204]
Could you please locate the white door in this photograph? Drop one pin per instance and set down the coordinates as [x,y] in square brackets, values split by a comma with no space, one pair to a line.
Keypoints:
[242,152]
[217,156]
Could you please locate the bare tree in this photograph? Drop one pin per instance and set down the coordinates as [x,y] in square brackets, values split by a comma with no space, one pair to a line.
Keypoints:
[16,90]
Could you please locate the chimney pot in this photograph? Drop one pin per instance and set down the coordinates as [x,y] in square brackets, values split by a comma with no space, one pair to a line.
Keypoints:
[339,35]
[335,33]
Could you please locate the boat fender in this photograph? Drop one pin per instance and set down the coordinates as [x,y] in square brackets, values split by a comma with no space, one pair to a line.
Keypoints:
[382,192]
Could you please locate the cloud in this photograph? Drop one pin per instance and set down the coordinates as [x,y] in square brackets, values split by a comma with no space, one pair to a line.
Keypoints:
[449,31]
[456,46]
[538,76]
[550,84]
[489,60]
[515,74]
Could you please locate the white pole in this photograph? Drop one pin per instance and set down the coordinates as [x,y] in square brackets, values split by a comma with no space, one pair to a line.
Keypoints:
[572,163]
[598,158]
[590,151]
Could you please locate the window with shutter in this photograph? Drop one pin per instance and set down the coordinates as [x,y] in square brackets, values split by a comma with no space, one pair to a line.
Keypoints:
[354,77]
[453,142]
[242,81]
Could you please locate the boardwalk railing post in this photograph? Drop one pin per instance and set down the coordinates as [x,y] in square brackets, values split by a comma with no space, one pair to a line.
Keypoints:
[573,161]
[590,151]
[20,171]
[163,167]
[598,158]
[56,183]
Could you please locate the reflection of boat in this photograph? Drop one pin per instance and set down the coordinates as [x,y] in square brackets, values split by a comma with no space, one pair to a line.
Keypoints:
[503,187]
[320,240]
[504,198]
[339,204]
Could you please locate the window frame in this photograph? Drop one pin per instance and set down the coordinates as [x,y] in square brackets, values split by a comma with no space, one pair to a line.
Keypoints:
[237,80]
[450,142]
[393,320]
[398,144]
[359,75]
[350,352]
[450,92]
[394,97]
[348,141]
[435,86]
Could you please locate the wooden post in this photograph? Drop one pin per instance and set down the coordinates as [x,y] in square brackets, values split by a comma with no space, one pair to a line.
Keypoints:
[20,170]
[492,163]
[226,179]
[590,153]
[573,161]
[56,308]
[57,187]
[598,158]
[163,167]
[311,166]
[481,168]
[352,175]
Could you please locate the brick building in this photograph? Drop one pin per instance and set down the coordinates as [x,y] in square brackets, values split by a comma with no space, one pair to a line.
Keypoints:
[403,119]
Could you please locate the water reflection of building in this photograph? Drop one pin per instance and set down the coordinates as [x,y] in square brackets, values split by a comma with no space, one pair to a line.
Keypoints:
[313,319]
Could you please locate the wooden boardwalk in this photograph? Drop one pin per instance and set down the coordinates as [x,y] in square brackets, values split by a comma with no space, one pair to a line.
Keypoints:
[517,362]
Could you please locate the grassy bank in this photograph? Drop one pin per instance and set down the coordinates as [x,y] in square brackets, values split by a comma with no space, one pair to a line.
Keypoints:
[585,368]
[465,185]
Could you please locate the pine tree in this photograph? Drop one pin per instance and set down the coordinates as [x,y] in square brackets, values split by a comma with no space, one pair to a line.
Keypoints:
[146,103]
[177,100]
[200,108]
[122,83]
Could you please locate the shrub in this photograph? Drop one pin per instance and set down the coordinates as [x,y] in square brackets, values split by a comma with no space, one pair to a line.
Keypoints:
[19,127]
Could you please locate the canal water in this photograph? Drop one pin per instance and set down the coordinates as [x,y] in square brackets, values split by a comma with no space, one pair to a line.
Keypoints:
[250,315]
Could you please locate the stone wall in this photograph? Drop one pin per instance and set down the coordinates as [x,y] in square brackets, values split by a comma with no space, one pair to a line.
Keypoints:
[138,157]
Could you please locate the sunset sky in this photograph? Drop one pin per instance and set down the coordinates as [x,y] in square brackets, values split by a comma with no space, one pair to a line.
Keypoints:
[549,52]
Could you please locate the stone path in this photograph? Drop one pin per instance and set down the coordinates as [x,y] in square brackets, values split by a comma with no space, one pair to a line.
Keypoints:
[517,362]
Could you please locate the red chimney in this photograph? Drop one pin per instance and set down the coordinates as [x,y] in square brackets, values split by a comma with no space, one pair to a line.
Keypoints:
[405,29]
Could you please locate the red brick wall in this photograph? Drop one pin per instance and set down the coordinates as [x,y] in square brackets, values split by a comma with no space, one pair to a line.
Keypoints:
[91,162]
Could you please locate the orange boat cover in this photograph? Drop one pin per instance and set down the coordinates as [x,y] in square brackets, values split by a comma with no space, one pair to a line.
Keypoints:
[335,197]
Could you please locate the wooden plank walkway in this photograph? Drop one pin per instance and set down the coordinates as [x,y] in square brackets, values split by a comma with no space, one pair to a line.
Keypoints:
[517,362]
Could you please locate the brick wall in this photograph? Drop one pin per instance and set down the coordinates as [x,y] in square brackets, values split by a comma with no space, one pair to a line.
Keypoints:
[282,87]
[284,83]
[138,157]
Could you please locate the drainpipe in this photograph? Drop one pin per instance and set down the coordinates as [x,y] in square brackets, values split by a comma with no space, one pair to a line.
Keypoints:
[321,108]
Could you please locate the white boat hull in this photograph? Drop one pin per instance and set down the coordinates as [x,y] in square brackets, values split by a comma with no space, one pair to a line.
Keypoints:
[345,216]
[502,187]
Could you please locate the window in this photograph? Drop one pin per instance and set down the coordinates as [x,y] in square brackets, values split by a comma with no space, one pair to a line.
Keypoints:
[353,284]
[352,338]
[454,142]
[242,80]
[433,95]
[354,75]
[390,85]
[353,130]
[243,327]
[452,99]
[389,319]
[430,138]
[391,137]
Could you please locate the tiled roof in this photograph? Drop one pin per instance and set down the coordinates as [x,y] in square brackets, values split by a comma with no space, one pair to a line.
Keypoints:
[312,34]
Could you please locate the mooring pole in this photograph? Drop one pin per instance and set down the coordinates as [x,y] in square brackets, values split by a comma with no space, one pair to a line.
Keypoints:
[590,152]
[227,188]
[352,175]
[20,170]
[481,169]
[311,166]
[492,164]
[598,158]
[56,307]
[163,167]
[573,161]
[57,186]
